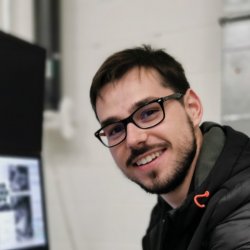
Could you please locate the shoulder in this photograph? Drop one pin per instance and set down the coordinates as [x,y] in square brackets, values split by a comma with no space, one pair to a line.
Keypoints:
[228,227]
[233,231]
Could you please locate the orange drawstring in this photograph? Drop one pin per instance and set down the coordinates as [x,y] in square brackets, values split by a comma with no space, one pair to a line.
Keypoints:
[198,196]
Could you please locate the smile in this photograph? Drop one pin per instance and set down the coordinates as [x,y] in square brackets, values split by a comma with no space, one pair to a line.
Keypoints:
[148,158]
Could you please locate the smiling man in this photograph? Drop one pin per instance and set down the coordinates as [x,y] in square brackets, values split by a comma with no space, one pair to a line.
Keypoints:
[151,122]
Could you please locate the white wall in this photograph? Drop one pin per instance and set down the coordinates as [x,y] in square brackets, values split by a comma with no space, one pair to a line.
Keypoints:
[16,17]
[91,206]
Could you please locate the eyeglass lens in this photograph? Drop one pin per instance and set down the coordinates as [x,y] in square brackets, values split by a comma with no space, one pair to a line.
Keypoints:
[145,117]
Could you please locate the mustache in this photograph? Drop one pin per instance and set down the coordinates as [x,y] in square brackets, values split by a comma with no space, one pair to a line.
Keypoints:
[135,152]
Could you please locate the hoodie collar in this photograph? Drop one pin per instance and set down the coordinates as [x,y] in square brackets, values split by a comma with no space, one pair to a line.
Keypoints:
[213,143]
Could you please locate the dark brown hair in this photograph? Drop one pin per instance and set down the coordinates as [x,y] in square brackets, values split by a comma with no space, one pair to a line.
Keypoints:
[118,64]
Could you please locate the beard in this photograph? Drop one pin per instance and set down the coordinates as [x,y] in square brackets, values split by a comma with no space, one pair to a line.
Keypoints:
[166,184]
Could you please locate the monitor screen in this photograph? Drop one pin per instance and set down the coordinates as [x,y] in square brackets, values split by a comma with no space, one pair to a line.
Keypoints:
[22,218]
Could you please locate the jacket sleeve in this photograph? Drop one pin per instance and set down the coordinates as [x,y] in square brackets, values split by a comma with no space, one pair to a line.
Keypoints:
[233,233]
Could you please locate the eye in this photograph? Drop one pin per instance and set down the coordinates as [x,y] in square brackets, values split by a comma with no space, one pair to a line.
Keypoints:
[114,130]
[149,113]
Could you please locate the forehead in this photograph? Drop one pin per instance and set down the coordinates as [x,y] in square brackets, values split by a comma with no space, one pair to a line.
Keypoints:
[117,99]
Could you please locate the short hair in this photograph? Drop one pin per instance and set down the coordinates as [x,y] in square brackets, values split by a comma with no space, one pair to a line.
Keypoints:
[120,63]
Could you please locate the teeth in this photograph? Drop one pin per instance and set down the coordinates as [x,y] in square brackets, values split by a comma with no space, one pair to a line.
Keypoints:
[148,158]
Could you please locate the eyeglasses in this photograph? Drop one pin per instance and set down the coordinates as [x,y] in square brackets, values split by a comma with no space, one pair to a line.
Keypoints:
[147,116]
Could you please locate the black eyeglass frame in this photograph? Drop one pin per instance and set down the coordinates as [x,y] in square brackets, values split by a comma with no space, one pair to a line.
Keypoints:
[129,119]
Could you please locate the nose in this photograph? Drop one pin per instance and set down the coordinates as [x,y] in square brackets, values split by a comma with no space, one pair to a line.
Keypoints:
[135,136]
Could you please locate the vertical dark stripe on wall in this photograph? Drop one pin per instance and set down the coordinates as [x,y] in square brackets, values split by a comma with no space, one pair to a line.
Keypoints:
[47,35]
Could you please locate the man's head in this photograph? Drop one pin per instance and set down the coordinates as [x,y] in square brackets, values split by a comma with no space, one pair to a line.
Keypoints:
[149,116]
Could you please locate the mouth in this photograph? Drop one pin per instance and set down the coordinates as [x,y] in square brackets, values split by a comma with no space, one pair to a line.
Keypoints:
[148,158]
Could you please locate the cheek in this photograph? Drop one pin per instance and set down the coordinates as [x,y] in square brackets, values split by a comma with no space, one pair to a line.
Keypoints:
[118,156]
[176,122]
[172,130]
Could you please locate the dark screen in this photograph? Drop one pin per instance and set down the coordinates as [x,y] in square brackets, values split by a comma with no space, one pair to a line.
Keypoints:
[22,67]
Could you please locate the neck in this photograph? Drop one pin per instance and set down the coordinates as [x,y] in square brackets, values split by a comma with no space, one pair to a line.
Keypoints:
[177,196]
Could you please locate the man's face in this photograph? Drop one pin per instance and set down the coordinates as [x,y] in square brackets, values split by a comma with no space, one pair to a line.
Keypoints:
[158,158]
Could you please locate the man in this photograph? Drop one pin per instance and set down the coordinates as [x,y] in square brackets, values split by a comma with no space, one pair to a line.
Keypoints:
[150,120]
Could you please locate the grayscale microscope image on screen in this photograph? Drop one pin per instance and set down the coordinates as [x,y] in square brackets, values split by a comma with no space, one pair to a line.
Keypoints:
[21,203]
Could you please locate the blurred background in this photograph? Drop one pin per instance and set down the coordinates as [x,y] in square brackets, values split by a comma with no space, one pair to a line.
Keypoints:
[90,205]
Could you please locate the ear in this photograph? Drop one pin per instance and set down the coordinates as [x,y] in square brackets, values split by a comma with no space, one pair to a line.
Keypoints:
[193,107]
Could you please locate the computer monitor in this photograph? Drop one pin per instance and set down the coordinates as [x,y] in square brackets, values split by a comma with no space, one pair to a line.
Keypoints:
[22,77]
[22,213]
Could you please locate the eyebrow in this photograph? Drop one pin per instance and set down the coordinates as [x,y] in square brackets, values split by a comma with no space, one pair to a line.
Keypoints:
[109,120]
[142,103]
[134,107]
